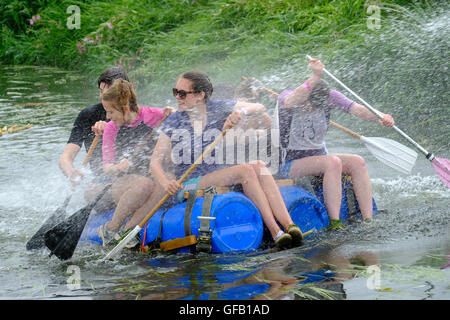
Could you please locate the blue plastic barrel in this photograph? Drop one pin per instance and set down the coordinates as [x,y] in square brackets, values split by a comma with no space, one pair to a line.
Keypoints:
[94,221]
[306,211]
[238,224]
[344,211]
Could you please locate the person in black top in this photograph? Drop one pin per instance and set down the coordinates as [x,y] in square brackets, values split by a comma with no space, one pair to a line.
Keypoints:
[90,122]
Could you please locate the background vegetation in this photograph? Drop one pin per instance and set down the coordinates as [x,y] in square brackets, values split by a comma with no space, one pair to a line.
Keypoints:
[156,40]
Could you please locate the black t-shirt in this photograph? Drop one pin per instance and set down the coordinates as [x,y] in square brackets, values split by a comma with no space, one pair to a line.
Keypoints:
[82,133]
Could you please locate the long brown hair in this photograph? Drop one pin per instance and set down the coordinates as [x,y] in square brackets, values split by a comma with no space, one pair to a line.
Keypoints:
[122,93]
[200,82]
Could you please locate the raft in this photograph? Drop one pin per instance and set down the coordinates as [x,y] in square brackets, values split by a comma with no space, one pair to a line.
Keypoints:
[232,221]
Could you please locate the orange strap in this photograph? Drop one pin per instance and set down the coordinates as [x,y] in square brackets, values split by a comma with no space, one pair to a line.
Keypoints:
[178,243]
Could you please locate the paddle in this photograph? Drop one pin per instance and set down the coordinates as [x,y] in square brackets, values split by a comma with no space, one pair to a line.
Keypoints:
[390,152]
[440,165]
[63,238]
[37,240]
[138,228]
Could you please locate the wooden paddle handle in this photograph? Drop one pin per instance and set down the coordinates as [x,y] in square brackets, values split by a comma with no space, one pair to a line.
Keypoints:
[271,92]
[91,150]
[183,177]
[265,89]
[345,129]
[155,208]
[331,122]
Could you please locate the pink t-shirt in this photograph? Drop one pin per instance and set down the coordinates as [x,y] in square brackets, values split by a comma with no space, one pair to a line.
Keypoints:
[147,115]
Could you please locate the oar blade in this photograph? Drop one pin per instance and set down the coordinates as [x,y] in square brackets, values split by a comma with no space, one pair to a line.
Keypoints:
[63,238]
[392,153]
[37,240]
[442,168]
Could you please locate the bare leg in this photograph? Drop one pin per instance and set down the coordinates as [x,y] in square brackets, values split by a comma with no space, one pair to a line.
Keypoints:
[245,175]
[130,193]
[272,193]
[355,166]
[106,203]
[331,168]
[157,194]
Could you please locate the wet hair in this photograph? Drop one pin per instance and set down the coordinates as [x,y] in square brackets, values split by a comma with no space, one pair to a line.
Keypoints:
[122,93]
[108,76]
[251,89]
[200,83]
[319,95]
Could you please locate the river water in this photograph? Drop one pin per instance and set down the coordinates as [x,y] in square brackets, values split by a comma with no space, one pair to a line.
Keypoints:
[408,244]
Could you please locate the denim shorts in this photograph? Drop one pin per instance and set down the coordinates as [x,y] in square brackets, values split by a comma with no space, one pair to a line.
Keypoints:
[283,173]
[188,185]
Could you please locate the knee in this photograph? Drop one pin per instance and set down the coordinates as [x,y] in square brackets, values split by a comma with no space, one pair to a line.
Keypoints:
[257,163]
[260,167]
[334,164]
[247,172]
[358,162]
[143,185]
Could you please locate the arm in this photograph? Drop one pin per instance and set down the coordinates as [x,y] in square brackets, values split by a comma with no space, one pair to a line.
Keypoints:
[162,151]
[301,93]
[66,162]
[168,110]
[363,113]
[249,108]
[255,115]
[115,169]
[98,127]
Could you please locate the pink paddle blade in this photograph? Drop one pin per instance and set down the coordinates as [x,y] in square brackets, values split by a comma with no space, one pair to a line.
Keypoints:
[442,168]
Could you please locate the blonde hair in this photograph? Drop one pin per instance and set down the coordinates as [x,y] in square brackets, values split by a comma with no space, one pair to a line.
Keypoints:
[122,93]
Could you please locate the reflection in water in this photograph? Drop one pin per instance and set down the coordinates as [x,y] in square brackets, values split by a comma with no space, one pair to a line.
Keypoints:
[317,274]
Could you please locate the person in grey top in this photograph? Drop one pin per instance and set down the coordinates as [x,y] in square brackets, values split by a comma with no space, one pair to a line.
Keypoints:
[304,116]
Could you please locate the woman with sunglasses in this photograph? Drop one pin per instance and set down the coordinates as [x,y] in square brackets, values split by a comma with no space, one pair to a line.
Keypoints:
[304,115]
[189,131]
[126,148]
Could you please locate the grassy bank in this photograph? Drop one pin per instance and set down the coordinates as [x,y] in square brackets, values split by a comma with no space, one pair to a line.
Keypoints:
[156,40]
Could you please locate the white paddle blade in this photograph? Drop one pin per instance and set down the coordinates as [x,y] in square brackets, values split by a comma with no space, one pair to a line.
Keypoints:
[392,153]
[123,243]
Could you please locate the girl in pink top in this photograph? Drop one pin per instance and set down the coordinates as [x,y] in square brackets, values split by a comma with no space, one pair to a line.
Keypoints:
[124,139]
[146,115]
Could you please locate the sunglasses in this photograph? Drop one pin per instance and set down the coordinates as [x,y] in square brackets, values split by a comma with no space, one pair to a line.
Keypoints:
[181,93]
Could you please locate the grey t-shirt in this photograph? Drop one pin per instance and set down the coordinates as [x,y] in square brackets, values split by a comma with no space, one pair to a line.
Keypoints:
[302,133]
